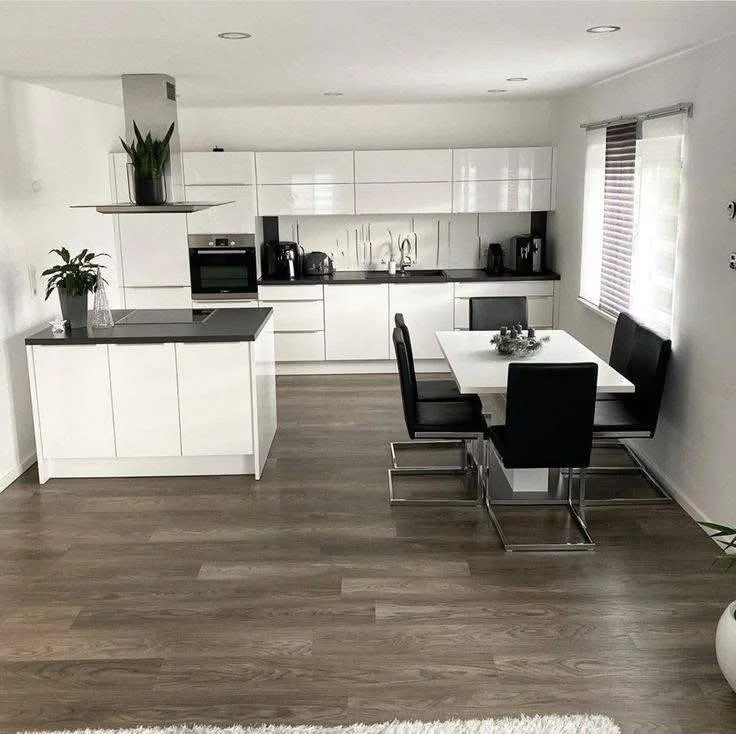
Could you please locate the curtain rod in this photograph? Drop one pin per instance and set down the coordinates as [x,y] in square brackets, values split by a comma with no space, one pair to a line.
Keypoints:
[682,107]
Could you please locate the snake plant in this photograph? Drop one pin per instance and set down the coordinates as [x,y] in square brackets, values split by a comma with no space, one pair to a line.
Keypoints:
[148,155]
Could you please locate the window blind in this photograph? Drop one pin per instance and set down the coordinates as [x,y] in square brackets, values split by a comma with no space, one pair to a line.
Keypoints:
[619,205]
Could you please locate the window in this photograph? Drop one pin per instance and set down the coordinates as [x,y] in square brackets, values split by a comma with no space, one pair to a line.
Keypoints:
[630,220]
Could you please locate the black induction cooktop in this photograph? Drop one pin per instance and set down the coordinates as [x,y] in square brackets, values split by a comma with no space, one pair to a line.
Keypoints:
[165,316]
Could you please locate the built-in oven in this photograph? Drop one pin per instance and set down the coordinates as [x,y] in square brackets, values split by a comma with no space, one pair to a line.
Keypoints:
[223,266]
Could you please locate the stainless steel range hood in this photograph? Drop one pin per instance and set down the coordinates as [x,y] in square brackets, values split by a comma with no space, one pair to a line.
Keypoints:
[150,100]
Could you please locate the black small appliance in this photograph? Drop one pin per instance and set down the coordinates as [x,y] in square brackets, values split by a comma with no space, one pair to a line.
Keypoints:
[223,266]
[282,260]
[494,259]
[318,263]
[526,253]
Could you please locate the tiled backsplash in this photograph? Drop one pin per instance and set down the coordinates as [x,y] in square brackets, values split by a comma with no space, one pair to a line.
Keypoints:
[435,240]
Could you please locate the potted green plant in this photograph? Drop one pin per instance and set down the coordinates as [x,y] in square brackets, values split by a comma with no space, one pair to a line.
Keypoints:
[74,279]
[726,630]
[148,156]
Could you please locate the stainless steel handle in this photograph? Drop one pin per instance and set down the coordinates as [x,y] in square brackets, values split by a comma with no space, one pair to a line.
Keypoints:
[221,251]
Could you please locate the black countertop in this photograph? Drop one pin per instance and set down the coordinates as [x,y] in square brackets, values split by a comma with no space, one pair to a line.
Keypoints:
[375,276]
[156,326]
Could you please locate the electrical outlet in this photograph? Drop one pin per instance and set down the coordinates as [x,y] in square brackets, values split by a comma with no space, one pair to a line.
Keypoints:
[732,261]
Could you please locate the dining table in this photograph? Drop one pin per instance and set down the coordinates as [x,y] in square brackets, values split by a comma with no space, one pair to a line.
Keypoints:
[478,369]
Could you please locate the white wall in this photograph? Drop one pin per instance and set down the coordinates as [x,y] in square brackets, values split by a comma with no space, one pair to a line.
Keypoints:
[694,445]
[335,127]
[60,142]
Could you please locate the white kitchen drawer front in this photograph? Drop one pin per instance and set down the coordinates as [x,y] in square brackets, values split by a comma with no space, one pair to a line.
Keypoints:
[489,164]
[403,198]
[215,399]
[290,292]
[397,166]
[296,315]
[305,346]
[305,199]
[145,399]
[158,297]
[234,218]
[539,300]
[224,303]
[217,168]
[305,167]
[427,308]
[505,288]
[356,322]
[74,401]
[540,311]
[502,196]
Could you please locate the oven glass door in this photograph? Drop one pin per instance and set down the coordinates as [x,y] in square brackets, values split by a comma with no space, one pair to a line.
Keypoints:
[231,270]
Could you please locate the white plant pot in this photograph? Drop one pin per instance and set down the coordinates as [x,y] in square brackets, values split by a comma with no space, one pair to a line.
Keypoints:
[726,644]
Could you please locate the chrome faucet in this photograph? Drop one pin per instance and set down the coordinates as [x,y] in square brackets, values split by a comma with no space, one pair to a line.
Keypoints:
[404,257]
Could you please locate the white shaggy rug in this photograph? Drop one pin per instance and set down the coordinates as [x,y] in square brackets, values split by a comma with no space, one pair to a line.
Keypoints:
[576,724]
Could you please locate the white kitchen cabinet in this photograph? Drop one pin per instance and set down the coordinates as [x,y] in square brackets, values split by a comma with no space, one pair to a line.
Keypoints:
[144,399]
[311,292]
[402,166]
[403,198]
[305,167]
[180,297]
[540,311]
[234,218]
[153,249]
[539,299]
[356,322]
[224,168]
[225,303]
[74,401]
[296,315]
[214,404]
[276,200]
[427,308]
[502,196]
[300,346]
[490,164]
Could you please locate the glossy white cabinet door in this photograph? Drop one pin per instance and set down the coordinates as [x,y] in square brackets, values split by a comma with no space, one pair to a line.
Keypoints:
[305,167]
[540,310]
[539,295]
[158,297]
[215,398]
[235,218]
[427,308]
[290,292]
[120,193]
[356,322]
[218,168]
[296,315]
[74,401]
[154,249]
[403,198]
[401,166]
[305,199]
[490,164]
[304,346]
[144,399]
[502,196]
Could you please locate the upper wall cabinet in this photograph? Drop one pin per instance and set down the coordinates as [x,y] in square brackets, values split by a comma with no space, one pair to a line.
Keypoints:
[218,169]
[493,164]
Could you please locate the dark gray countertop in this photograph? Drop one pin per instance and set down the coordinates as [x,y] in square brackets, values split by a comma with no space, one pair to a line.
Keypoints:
[374,276]
[165,325]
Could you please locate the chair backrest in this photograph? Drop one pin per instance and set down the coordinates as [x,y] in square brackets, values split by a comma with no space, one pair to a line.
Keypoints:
[490,314]
[623,342]
[407,381]
[647,369]
[401,323]
[549,414]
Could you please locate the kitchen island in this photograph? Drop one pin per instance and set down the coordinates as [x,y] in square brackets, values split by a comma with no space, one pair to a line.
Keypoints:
[164,392]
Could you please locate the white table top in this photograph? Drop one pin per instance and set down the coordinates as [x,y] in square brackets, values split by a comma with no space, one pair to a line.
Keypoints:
[478,368]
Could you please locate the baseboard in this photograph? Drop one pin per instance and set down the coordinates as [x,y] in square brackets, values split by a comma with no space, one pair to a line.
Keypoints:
[9,477]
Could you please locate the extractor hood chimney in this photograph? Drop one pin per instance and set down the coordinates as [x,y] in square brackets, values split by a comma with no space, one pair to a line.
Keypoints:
[150,101]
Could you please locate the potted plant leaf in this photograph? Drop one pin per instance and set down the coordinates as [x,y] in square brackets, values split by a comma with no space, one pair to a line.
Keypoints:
[726,630]
[74,279]
[148,156]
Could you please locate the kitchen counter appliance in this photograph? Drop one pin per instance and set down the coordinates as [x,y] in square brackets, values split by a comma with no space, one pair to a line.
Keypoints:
[223,266]
[318,263]
[526,254]
[494,259]
[282,260]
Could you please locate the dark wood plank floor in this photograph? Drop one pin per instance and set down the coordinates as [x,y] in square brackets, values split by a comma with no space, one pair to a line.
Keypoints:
[305,598]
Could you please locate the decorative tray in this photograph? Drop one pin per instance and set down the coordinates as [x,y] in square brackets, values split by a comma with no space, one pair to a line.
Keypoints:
[511,341]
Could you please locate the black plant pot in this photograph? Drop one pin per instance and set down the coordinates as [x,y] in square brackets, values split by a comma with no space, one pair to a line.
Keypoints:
[149,191]
[73,309]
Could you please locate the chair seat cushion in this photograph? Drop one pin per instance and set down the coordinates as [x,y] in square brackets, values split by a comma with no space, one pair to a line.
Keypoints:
[616,415]
[460,416]
[437,390]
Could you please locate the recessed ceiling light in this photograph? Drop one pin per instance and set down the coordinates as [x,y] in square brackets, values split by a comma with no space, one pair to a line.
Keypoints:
[332,94]
[518,79]
[233,35]
[495,91]
[603,29]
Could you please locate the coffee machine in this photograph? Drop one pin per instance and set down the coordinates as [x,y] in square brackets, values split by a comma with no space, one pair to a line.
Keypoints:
[527,254]
[282,260]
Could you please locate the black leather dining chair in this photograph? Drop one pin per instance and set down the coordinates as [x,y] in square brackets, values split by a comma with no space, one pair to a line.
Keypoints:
[438,420]
[549,424]
[643,357]
[490,314]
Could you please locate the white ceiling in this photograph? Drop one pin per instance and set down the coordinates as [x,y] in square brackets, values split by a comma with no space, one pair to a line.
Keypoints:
[374,51]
